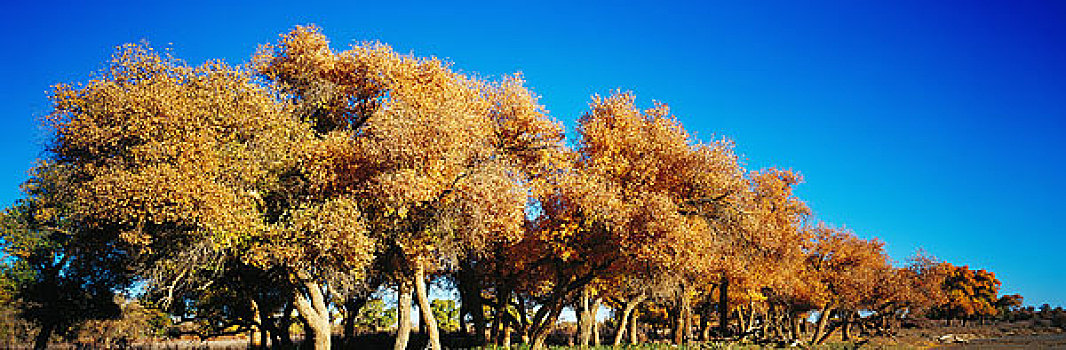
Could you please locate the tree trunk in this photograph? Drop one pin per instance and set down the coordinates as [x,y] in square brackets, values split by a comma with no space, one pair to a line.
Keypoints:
[41,341]
[685,321]
[742,317]
[523,326]
[403,310]
[257,332]
[351,309]
[503,298]
[596,323]
[584,318]
[622,322]
[797,331]
[753,318]
[723,308]
[311,304]
[845,328]
[633,339]
[545,325]
[284,323]
[823,320]
[506,334]
[424,307]
[705,325]
[470,299]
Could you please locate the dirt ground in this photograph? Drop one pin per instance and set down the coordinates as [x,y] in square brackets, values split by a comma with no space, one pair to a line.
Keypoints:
[1018,335]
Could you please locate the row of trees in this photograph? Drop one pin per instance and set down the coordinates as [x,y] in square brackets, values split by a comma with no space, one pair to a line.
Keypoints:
[307,179]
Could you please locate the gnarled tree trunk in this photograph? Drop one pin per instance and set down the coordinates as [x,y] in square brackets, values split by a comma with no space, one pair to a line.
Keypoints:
[423,306]
[823,319]
[311,304]
[403,310]
[624,320]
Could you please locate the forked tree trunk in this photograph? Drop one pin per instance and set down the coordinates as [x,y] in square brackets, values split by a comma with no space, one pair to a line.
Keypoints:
[313,309]
[823,320]
[403,310]
[545,325]
[423,306]
[624,320]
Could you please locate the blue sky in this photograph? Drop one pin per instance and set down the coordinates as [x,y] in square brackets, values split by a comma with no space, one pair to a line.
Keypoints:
[932,125]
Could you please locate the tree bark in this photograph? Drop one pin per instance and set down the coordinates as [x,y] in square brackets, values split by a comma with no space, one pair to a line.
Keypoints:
[506,334]
[624,320]
[423,305]
[315,312]
[797,331]
[633,339]
[540,332]
[403,310]
[503,298]
[584,318]
[281,328]
[845,329]
[684,317]
[470,299]
[596,323]
[705,327]
[823,320]
[723,308]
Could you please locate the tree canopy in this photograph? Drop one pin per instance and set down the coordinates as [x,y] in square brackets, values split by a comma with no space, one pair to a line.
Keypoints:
[310,180]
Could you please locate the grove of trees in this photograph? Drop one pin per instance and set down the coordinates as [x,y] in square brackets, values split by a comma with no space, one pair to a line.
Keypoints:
[290,192]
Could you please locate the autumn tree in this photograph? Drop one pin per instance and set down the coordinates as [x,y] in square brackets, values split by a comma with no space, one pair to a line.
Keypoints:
[164,157]
[1007,305]
[434,159]
[761,248]
[971,294]
[630,202]
[845,267]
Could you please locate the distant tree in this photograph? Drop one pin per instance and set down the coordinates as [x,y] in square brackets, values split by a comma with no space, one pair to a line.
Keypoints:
[135,323]
[446,314]
[971,294]
[374,316]
[1007,305]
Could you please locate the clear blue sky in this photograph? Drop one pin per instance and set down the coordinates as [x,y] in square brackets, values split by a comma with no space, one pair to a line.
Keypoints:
[928,124]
